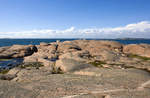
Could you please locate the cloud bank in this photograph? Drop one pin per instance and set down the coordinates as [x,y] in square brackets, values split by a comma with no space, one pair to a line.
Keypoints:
[136,30]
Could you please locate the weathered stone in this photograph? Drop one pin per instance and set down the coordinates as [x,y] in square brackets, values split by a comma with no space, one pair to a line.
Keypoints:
[7,77]
[141,49]
[68,47]
[44,44]
[115,83]
[45,62]
[67,65]
[30,59]
[14,71]
[17,51]
[93,44]
[109,55]
[91,69]
[76,66]
[44,52]
[78,55]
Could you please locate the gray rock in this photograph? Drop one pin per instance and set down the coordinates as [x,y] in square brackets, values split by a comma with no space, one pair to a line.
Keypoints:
[70,65]
[17,51]
[7,76]
[115,74]
[115,83]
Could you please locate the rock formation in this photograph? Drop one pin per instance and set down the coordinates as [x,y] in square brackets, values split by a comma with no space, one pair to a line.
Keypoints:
[17,51]
[141,49]
[77,69]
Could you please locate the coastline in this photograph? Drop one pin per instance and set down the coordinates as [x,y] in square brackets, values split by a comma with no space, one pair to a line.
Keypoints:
[36,41]
[76,68]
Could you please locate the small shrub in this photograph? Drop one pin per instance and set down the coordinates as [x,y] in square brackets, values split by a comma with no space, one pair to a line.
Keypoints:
[139,57]
[4,71]
[97,63]
[33,64]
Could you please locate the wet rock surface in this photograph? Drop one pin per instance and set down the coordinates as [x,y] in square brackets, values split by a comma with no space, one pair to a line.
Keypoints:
[80,69]
[10,63]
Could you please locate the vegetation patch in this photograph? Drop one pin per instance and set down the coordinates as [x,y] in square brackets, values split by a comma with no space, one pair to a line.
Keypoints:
[4,59]
[98,63]
[32,64]
[4,71]
[139,57]
[56,70]
[144,69]
[115,64]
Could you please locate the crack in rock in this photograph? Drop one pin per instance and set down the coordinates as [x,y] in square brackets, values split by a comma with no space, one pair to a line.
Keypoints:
[97,92]
[143,85]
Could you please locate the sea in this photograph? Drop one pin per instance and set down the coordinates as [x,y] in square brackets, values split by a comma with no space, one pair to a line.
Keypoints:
[9,42]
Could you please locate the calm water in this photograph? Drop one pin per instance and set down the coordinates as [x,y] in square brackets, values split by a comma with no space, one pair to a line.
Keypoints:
[9,42]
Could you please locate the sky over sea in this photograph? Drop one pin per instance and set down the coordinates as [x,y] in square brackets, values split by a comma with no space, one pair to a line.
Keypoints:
[74,18]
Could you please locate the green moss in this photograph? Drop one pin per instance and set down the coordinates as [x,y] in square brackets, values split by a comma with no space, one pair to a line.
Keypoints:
[97,63]
[4,59]
[33,64]
[139,57]
[4,71]
[115,64]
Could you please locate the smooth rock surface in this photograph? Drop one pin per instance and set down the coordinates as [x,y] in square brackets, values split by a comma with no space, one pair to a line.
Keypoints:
[17,51]
[79,69]
[141,49]
[37,83]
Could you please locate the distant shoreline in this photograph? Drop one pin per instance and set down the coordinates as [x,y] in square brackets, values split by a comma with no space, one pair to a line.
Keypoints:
[87,38]
[33,41]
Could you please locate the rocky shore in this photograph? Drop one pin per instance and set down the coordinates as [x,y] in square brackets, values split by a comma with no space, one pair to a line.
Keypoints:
[76,69]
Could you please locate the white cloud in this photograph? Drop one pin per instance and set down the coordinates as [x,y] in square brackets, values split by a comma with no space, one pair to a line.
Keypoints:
[141,29]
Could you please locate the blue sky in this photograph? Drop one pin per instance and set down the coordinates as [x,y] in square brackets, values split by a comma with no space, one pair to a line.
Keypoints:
[80,18]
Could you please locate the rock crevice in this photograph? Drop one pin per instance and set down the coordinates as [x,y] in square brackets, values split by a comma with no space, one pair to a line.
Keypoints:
[89,69]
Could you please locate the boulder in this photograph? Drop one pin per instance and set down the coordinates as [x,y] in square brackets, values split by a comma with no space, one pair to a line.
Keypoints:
[99,44]
[76,62]
[44,52]
[45,62]
[14,71]
[17,51]
[68,47]
[7,77]
[77,55]
[138,49]
[101,50]
[30,59]
[2,49]
[44,44]
[49,48]
[107,55]
[70,65]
